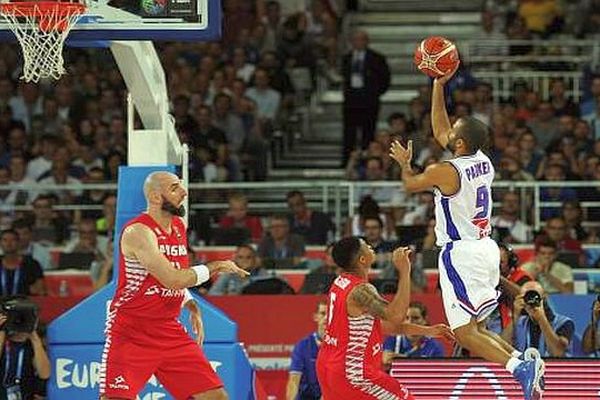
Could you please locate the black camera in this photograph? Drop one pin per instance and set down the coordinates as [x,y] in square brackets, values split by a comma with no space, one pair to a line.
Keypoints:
[532,298]
[22,315]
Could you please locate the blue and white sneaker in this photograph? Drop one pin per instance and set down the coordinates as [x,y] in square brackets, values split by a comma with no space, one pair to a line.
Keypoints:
[528,373]
[533,354]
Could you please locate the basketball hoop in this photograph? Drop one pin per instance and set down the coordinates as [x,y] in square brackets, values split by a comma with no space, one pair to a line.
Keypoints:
[41,28]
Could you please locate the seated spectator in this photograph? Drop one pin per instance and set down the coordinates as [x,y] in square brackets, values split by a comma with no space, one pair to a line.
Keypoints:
[17,167]
[231,284]
[21,275]
[591,338]
[48,227]
[593,119]
[266,98]
[88,241]
[315,226]
[422,212]
[556,230]
[541,16]
[412,345]
[588,105]
[302,381]
[29,380]
[512,277]
[210,146]
[237,217]
[553,276]
[280,248]
[572,214]
[91,197]
[539,326]
[319,280]
[375,172]
[555,173]
[27,247]
[508,226]
[367,208]
[60,173]
[105,225]
[373,234]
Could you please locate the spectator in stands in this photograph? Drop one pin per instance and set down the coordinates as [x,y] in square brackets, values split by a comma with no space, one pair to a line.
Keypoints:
[422,212]
[540,327]
[542,17]
[512,277]
[544,124]
[589,104]
[231,284]
[280,248]
[373,234]
[92,197]
[87,158]
[562,104]
[315,226]
[211,143]
[368,207]
[27,247]
[243,69]
[295,46]
[237,217]
[508,226]
[60,174]
[319,280]
[366,77]
[375,172]
[592,194]
[27,381]
[593,119]
[88,241]
[530,155]
[509,168]
[48,226]
[557,231]
[553,276]
[572,214]
[412,345]
[41,164]
[21,275]
[267,99]
[105,225]
[555,173]
[17,167]
[591,338]
[302,381]
[27,104]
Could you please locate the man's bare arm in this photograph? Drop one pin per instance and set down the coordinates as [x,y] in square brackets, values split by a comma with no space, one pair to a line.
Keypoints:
[440,123]
[366,297]
[140,243]
[442,175]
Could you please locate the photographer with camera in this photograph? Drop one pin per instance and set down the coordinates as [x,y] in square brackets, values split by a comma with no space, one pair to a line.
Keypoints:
[536,325]
[24,363]
[591,339]
[512,277]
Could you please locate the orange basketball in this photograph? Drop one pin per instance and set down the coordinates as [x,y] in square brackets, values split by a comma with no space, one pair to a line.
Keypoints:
[435,56]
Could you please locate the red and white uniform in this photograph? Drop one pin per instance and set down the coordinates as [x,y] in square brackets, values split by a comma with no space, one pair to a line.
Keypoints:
[143,333]
[350,357]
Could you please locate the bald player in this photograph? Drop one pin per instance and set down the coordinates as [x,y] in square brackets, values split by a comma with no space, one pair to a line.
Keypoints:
[143,334]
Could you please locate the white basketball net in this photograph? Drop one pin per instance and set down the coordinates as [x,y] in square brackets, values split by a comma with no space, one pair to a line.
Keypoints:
[41,29]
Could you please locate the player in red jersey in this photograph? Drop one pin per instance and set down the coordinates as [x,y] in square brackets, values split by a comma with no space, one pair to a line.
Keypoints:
[143,334]
[349,364]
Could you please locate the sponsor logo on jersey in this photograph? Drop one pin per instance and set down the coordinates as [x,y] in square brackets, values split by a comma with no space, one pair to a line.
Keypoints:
[119,383]
[163,292]
[342,282]
[330,340]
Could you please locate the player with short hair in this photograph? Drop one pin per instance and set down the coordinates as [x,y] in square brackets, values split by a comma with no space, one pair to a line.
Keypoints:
[350,358]
[469,258]
[143,334]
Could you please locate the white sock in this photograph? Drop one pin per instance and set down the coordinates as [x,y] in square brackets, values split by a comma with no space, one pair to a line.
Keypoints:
[516,353]
[512,363]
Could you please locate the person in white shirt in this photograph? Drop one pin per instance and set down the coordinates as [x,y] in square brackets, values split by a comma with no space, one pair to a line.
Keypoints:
[266,98]
[513,230]
[42,164]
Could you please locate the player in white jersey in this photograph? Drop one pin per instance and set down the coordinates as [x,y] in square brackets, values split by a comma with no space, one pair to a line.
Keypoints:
[470,259]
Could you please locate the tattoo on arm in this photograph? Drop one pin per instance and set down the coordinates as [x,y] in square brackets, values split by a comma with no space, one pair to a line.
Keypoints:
[367,297]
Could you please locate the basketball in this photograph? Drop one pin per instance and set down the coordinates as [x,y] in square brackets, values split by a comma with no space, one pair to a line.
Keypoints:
[435,56]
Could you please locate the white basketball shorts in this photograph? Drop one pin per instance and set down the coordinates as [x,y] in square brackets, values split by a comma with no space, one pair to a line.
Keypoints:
[469,275]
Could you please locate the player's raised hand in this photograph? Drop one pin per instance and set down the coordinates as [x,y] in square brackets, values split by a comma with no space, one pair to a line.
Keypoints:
[228,267]
[402,155]
[401,259]
[442,80]
[441,331]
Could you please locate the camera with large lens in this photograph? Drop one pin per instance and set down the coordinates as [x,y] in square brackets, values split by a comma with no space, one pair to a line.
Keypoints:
[22,315]
[532,298]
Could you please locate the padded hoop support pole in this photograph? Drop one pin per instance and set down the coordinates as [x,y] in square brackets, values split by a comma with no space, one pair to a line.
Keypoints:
[157,143]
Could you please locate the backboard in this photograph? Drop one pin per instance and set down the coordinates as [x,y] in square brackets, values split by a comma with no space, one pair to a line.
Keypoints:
[156,20]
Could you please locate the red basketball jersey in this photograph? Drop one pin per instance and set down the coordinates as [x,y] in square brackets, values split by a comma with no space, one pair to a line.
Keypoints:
[352,344]
[140,296]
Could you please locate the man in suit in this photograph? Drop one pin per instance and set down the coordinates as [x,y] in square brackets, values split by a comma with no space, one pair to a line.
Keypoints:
[366,77]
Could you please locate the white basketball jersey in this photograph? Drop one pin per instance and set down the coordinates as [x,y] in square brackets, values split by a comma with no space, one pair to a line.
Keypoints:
[466,215]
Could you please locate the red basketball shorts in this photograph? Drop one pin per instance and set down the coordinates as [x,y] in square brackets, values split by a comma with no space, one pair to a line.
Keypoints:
[180,366]
[335,385]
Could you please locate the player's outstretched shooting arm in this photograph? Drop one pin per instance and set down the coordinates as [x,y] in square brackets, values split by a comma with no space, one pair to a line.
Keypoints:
[139,243]
[440,123]
[364,298]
